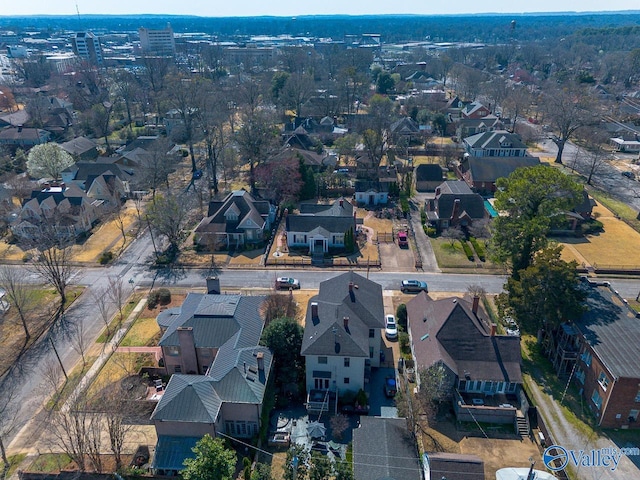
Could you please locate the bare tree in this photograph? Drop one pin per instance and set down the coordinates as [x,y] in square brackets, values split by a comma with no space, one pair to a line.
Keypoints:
[19,294]
[68,429]
[117,293]
[453,234]
[101,301]
[8,417]
[168,215]
[476,290]
[435,385]
[53,263]
[79,342]
[119,415]
[279,305]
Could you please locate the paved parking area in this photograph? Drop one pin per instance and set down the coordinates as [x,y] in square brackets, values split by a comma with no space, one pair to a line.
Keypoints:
[394,258]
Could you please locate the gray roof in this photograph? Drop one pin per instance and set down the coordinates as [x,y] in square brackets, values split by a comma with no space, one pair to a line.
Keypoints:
[363,305]
[489,169]
[188,398]
[334,218]
[171,452]
[612,330]
[495,139]
[448,331]
[233,378]
[383,448]
[84,170]
[78,145]
[215,319]
[246,208]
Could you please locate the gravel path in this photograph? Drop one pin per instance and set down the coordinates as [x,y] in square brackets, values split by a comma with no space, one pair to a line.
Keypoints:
[568,436]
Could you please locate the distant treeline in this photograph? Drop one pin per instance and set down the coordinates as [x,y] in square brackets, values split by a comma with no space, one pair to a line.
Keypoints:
[490,28]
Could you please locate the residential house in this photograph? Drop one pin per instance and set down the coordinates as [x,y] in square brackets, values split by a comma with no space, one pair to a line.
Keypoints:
[66,208]
[466,127]
[599,351]
[14,119]
[320,227]
[370,192]
[51,113]
[218,335]
[453,466]
[474,110]
[317,162]
[499,143]
[454,205]
[481,368]
[299,139]
[235,222]
[82,174]
[23,137]
[81,149]
[481,173]
[406,128]
[385,448]
[428,177]
[342,337]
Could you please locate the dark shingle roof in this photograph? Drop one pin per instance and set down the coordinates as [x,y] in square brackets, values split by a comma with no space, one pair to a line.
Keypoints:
[78,145]
[84,170]
[447,330]
[471,203]
[337,217]
[489,169]
[363,305]
[246,207]
[453,466]
[495,139]
[428,172]
[383,448]
[612,330]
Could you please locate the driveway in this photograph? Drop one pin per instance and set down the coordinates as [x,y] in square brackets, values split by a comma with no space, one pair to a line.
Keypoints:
[379,404]
[568,436]
[425,250]
[396,259]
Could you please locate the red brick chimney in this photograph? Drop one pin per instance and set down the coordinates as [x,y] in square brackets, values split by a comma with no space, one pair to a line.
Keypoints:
[341,201]
[474,306]
[456,210]
[493,329]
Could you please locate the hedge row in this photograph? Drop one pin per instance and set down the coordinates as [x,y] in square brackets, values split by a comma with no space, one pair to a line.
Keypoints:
[467,250]
[478,248]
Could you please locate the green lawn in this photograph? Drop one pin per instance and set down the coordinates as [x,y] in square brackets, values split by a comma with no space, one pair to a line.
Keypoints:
[14,463]
[50,462]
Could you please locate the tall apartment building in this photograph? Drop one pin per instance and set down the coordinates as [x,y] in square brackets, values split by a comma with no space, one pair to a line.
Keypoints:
[87,46]
[157,42]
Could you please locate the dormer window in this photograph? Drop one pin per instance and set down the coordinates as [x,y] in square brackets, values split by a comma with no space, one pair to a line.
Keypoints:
[232,213]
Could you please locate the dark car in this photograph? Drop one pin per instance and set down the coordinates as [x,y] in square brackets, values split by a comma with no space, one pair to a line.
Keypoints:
[413,286]
[390,387]
[629,175]
[286,283]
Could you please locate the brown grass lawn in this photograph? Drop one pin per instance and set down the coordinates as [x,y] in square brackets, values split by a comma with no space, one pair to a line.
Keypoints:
[144,332]
[12,337]
[119,366]
[618,245]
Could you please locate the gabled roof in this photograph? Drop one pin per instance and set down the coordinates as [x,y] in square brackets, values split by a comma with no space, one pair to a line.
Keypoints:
[23,133]
[82,171]
[489,169]
[383,448]
[448,331]
[215,319]
[348,295]
[468,201]
[612,329]
[78,146]
[246,208]
[405,126]
[489,121]
[307,156]
[473,107]
[334,218]
[495,140]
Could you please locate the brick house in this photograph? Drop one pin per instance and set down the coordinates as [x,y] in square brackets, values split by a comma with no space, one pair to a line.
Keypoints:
[600,354]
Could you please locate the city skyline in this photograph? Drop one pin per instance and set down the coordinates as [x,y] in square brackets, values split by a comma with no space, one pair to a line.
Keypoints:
[285,8]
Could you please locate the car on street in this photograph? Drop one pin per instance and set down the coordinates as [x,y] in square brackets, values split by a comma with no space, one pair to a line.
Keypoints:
[390,387]
[390,327]
[413,286]
[629,175]
[286,283]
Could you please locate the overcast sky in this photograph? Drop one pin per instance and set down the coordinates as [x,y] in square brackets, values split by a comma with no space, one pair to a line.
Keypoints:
[226,8]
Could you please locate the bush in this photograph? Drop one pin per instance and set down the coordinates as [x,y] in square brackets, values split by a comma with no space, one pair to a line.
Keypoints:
[429,231]
[162,296]
[592,226]
[403,340]
[423,216]
[105,257]
[401,315]
[467,250]
[478,248]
